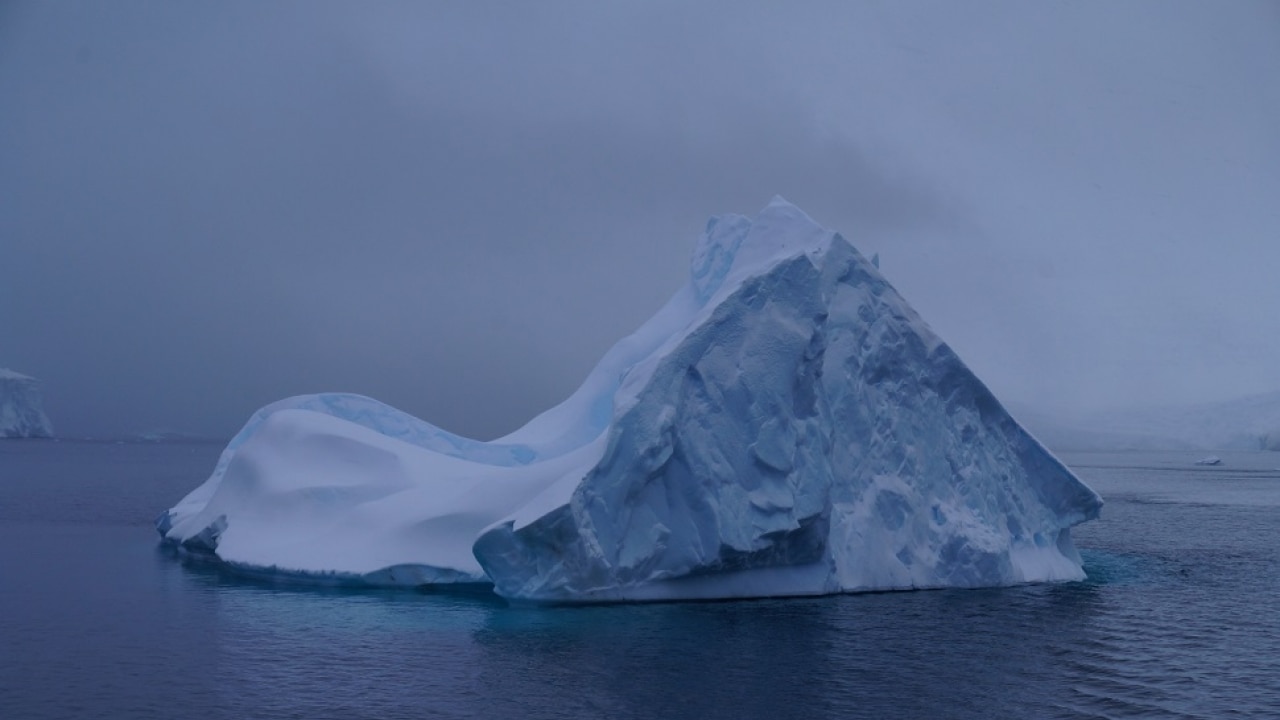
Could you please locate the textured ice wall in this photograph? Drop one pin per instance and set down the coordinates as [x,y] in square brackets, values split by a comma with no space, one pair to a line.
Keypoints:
[808,434]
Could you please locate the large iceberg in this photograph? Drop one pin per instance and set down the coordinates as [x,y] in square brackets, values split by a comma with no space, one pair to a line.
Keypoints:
[785,425]
[21,411]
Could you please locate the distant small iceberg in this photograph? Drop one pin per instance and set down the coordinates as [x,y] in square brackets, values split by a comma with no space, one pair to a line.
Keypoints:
[21,410]
[1210,460]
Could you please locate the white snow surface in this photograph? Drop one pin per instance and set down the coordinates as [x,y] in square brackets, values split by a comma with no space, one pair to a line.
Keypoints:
[21,410]
[785,425]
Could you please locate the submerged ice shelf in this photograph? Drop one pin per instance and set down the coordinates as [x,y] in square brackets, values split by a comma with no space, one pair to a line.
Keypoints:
[785,425]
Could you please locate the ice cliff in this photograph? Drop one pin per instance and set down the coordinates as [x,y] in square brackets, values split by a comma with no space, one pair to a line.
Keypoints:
[21,412]
[785,425]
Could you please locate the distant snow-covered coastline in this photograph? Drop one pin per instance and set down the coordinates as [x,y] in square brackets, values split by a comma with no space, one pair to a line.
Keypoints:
[1247,423]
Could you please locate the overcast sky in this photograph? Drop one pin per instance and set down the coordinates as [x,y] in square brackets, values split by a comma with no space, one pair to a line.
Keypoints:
[457,208]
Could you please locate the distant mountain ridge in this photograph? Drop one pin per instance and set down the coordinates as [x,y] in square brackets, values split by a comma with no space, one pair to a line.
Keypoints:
[1246,423]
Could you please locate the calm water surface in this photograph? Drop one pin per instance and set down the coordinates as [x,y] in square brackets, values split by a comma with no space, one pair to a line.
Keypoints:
[1180,618]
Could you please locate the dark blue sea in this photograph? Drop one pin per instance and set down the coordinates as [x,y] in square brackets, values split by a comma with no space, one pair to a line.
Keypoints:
[1180,618]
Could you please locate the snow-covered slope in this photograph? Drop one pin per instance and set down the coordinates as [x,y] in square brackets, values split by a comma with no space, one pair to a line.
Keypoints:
[785,425]
[21,411]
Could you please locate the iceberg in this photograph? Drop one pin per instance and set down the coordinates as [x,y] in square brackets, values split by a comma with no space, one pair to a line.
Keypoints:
[785,425]
[21,411]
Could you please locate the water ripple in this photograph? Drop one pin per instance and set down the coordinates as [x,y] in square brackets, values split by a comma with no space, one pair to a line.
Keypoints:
[1180,618]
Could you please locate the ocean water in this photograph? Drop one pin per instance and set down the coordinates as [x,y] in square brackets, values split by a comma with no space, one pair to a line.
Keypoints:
[1180,618]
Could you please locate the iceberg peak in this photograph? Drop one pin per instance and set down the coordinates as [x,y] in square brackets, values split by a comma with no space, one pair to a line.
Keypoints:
[734,247]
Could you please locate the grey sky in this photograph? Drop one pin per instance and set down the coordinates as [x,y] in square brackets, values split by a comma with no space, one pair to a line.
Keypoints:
[457,208]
